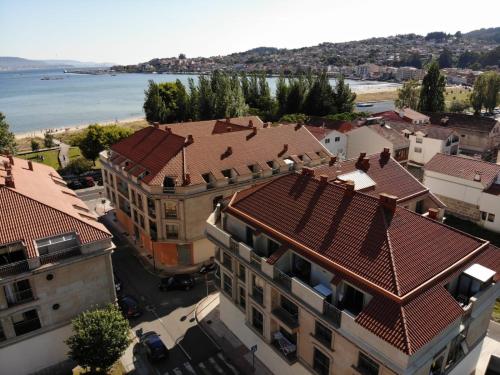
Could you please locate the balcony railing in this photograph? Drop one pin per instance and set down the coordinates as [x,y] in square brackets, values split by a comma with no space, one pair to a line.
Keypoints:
[291,320]
[59,255]
[255,260]
[26,326]
[332,313]
[20,296]
[286,348]
[234,246]
[14,268]
[282,279]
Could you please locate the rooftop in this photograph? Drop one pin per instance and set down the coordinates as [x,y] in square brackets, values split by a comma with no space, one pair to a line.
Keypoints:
[462,121]
[37,204]
[465,168]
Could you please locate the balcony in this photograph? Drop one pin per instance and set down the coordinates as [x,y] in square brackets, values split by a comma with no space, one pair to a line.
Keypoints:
[27,326]
[282,279]
[216,233]
[289,319]
[234,246]
[20,296]
[255,261]
[332,314]
[14,268]
[285,347]
[59,255]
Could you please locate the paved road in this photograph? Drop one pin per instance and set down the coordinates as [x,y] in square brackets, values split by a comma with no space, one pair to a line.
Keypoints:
[63,154]
[171,314]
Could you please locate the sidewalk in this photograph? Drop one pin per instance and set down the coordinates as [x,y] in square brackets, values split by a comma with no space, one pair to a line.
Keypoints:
[207,316]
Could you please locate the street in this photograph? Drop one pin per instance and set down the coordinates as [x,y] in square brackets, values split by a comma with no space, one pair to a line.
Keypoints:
[171,315]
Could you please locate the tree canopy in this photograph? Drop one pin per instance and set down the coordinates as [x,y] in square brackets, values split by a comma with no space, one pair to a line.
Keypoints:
[408,95]
[432,90]
[7,138]
[486,92]
[99,338]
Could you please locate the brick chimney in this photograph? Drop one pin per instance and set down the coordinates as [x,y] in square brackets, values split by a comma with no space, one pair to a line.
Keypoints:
[227,153]
[30,165]
[9,171]
[323,178]
[332,161]
[298,126]
[432,213]
[9,181]
[189,140]
[388,202]
[11,159]
[6,164]
[252,134]
[284,150]
[306,171]
[385,154]
[156,125]
[349,188]
[250,124]
[187,179]
[361,156]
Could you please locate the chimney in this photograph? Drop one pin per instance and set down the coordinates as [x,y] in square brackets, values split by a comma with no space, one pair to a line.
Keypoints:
[167,130]
[9,171]
[323,178]
[384,155]
[364,164]
[477,176]
[156,125]
[228,120]
[9,181]
[250,124]
[284,150]
[332,161]
[30,165]
[388,202]
[189,140]
[187,179]
[11,159]
[297,126]
[307,172]
[432,213]
[361,156]
[227,153]
[253,133]
[266,124]
[6,165]
[349,188]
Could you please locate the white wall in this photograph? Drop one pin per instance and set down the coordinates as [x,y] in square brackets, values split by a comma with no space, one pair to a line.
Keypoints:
[339,148]
[453,187]
[491,204]
[364,139]
[429,146]
[36,353]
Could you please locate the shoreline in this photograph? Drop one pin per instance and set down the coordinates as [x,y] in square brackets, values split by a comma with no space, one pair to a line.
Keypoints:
[72,128]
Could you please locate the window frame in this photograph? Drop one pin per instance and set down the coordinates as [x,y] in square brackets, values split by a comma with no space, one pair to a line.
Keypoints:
[324,368]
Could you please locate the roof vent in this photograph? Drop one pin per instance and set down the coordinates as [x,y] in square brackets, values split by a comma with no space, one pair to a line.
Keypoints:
[30,165]
[9,181]
[323,178]
[252,134]
[333,160]
[349,188]
[388,202]
[156,125]
[11,159]
[477,176]
[385,154]
[189,140]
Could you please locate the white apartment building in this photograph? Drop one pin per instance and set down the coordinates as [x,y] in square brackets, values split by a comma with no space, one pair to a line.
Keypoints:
[470,188]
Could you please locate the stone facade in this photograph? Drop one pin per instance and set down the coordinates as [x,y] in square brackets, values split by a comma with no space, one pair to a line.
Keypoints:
[461,209]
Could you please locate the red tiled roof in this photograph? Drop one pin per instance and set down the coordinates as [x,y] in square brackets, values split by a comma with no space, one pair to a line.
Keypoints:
[398,140]
[40,206]
[165,153]
[462,121]
[356,233]
[389,176]
[464,168]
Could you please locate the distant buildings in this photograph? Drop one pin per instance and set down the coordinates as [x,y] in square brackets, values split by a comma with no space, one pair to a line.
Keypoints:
[165,180]
[325,279]
[406,73]
[55,262]
[470,188]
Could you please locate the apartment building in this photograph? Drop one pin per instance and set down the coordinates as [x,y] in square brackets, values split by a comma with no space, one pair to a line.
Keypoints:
[324,279]
[406,73]
[332,135]
[55,262]
[380,173]
[165,180]
[470,188]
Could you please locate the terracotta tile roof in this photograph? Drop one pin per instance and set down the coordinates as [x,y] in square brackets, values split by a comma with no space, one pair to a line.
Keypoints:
[164,153]
[464,168]
[398,140]
[41,206]
[353,236]
[390,116]
[204,128]
[356,233]
[430,131]
[462,121]
[389,176]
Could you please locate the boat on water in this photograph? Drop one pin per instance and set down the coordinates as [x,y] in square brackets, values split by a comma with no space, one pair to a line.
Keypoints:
[364,105]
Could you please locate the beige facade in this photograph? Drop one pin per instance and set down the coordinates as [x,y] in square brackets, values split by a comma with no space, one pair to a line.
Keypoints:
[38,301]
[299,330]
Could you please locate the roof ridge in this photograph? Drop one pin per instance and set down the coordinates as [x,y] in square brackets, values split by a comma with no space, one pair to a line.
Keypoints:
[57,210]
[406,334]
[470,159]
[391,254]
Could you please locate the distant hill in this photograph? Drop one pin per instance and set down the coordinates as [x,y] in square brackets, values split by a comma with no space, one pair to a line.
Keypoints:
[18,63]
[491,34]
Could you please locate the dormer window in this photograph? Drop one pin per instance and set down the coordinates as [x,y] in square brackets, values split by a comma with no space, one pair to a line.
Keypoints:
[228,173]
[271,165]
[168,185]
[254,168]
[208,178]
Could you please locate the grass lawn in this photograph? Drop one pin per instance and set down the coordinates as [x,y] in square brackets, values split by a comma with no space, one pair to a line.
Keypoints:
[456,93]
[49,158]
[496,312]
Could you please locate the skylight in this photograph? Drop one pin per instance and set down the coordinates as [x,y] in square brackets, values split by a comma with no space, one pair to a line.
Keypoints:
[360,178]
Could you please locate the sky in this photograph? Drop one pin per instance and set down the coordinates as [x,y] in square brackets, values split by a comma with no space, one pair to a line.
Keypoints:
[129,32]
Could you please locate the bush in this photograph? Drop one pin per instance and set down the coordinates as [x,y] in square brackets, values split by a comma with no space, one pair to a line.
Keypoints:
[294,118]
[78,166]
[35,146]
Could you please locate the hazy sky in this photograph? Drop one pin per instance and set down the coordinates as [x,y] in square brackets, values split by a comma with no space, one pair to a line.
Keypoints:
[129,31]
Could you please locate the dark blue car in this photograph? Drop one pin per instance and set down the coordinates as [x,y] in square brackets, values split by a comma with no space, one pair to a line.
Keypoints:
[154,347]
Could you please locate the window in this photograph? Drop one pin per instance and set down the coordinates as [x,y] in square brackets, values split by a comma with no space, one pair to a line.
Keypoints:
[484,215]
[353,300]
[321,363]
[418,150]
[327,140]
[227,284]
[18,292]
[491,217]
[241,272]
[168,185]
[366,365]
[171,209]
[323,334]
[25,322]
[2,334]
[242,300]
[289,307]
[172,231]
[418,140]
[258,289]
[257,320]
[227,261]
[337,139]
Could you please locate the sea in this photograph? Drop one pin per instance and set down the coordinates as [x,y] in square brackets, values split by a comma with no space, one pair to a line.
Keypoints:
[38,100]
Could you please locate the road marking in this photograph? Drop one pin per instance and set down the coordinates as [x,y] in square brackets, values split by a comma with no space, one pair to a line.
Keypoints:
[190,368]
[177,371]
[203,369]
[226,362]
[216,365]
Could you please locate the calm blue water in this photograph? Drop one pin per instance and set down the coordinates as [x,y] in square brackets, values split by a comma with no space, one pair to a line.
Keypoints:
[30,103]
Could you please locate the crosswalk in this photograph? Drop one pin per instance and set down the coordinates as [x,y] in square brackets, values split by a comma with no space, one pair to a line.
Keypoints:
[215,365]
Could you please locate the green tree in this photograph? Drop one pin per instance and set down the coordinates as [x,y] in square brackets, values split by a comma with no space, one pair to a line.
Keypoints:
[319,100]
[486,92]
[466,59]
[99,339]
[35,145]
[97,138]
[297,92]
[193,98]
[7,138]
[408,95]
[432,90]
[458,106]
[281,94]
[77,166]
[154,107]
[48,140]
[445,59]
[294,118]
[343,98]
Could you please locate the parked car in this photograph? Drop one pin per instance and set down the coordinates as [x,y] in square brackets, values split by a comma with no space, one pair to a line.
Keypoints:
[87,181]
[75,184]
[118,284]
[129,306]
[155,348]
[95,174]
[180,281]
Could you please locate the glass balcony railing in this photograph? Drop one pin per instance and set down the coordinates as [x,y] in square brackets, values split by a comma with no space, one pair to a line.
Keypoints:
[332,313]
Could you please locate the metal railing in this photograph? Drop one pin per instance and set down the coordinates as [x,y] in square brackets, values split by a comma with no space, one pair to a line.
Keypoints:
[59,255]
[234,246]
[14,268]
[27,326]
[291,320]
[20,296]
[332,313]
[282,279]
[255,260]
